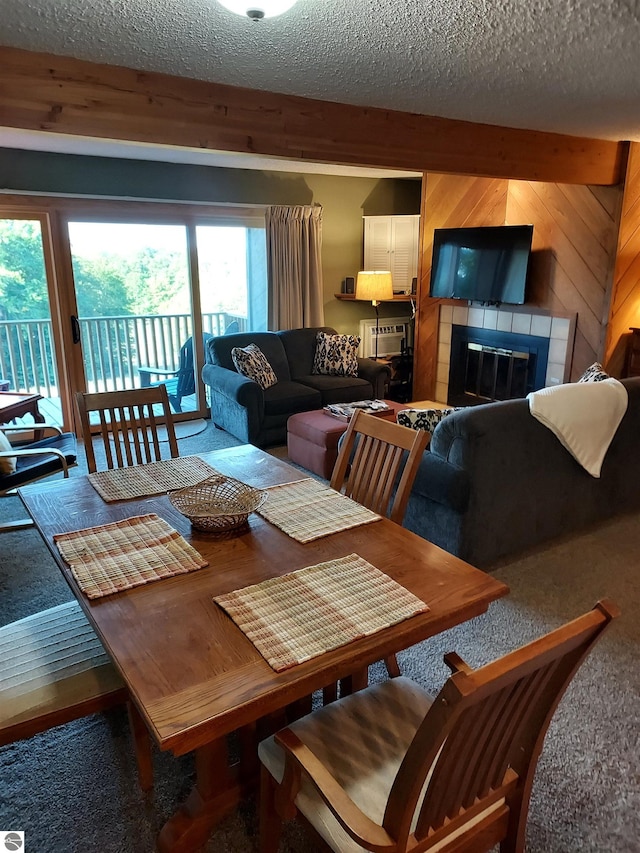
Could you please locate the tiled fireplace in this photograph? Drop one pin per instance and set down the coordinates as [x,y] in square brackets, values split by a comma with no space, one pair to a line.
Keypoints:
[554,334]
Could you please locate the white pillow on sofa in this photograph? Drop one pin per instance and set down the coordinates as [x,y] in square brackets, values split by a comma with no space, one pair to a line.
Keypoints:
[7,463]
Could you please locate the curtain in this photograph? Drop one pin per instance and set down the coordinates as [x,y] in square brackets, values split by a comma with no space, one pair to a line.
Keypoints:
[294,264]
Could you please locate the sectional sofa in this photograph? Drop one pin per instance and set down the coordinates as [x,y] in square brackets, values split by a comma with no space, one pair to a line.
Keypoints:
[495,481]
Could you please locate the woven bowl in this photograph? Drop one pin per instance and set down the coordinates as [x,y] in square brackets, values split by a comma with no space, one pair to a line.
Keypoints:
[218,503]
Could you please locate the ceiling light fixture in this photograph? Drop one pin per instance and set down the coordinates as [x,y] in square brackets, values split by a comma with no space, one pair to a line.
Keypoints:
[258,10]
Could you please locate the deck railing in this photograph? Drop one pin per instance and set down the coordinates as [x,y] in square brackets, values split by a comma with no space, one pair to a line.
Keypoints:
[114,349]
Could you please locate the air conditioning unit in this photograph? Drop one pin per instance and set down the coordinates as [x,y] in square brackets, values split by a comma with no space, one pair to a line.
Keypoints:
[392,337]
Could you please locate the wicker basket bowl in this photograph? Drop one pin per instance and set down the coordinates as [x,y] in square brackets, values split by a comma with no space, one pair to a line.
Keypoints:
[218,503]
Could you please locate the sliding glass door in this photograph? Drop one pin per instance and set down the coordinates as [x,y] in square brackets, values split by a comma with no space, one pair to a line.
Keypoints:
[28,358]
[134,318]
[104,296]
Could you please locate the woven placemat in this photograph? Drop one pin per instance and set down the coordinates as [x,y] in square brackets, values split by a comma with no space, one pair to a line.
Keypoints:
[127,553]
[301,615]
[137,481]
[307,510]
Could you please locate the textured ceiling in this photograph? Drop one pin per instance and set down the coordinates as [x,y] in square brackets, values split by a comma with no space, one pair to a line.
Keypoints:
[571,66]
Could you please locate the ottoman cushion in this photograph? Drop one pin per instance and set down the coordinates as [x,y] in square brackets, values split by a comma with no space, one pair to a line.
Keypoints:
[312,441]
[312,438]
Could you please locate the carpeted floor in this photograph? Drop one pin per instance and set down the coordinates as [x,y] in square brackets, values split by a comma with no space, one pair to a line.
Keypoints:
[74,788]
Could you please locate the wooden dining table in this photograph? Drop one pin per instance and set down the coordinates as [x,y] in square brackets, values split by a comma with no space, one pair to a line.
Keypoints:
[193,675]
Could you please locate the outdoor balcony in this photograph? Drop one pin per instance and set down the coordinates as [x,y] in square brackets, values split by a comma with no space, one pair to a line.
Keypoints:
[118,352]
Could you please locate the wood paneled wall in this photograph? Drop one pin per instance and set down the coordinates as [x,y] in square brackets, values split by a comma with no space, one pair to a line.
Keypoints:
[448,201]
[572,265]
[574,241]
[625,297]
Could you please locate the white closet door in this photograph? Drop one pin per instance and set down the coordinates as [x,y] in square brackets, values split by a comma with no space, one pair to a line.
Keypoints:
[377,242]
[404,251]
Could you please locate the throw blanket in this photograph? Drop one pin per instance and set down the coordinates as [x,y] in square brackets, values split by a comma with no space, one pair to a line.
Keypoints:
[584,416]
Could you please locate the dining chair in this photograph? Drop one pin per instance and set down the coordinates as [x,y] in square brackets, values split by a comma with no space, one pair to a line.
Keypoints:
[29,461]
[389,769]
[53,669]
[128,424]
[376,466]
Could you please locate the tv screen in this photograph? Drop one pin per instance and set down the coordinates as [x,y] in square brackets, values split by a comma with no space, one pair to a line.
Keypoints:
[487,264]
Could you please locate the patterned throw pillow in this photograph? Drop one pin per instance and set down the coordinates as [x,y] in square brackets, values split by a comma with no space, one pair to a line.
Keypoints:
[7,463]
[336,355]
[426,419]
[251,362]
[594,373]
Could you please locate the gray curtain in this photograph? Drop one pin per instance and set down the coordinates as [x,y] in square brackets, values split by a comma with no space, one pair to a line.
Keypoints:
[294,264]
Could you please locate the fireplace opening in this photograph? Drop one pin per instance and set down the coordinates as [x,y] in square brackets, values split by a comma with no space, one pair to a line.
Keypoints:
[488,365]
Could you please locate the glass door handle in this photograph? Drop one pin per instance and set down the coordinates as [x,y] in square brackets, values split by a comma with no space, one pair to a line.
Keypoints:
[75,329]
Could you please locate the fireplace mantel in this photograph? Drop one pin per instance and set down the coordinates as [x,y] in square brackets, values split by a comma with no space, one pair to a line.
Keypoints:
[559,330]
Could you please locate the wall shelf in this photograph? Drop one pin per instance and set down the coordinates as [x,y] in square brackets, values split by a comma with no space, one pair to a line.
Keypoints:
[399,297]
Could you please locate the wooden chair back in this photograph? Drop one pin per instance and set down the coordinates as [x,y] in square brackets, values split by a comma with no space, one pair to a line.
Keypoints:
[463,783]
[375,456]
[480,741]
[128,424]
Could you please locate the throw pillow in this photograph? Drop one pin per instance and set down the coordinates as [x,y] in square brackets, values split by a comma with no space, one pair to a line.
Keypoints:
[336,355]
[7,463]
[426,419]
[594,373]
[251,362]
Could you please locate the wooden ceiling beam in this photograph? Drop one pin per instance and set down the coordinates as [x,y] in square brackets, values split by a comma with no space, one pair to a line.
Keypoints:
[43,92]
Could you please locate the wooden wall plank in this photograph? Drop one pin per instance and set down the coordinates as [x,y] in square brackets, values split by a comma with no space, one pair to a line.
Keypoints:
[625,299]
[574,242]
[447,201]
[65,95]
[557,234]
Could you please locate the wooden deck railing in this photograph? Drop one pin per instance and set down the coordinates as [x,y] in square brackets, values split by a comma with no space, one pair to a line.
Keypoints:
[113,348]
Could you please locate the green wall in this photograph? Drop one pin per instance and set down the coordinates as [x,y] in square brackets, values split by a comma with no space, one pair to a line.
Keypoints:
[345,200]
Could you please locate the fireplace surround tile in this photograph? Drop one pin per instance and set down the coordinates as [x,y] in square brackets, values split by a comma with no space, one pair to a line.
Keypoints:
[521,324]
[558,350]
[444,333]
[490,320]
[560,328]
[444,353]
[503,321]
[557,329]
[460,315]
[555,374]
[541,326]
[446,313]
[476,318]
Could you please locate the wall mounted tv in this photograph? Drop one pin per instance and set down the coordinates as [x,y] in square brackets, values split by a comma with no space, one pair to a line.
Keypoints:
[487,264]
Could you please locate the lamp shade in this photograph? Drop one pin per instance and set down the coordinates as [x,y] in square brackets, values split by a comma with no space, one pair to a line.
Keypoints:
[259,9]
[374,286]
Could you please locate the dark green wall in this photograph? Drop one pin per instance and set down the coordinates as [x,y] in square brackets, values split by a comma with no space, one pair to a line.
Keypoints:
[345,200]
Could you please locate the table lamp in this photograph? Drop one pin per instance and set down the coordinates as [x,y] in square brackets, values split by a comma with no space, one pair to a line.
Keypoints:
[377,286]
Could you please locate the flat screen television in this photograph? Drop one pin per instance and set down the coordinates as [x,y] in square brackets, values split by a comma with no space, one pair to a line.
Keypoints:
[487,264]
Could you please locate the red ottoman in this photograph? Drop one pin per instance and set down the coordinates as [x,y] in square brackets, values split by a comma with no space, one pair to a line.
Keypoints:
[312,438]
